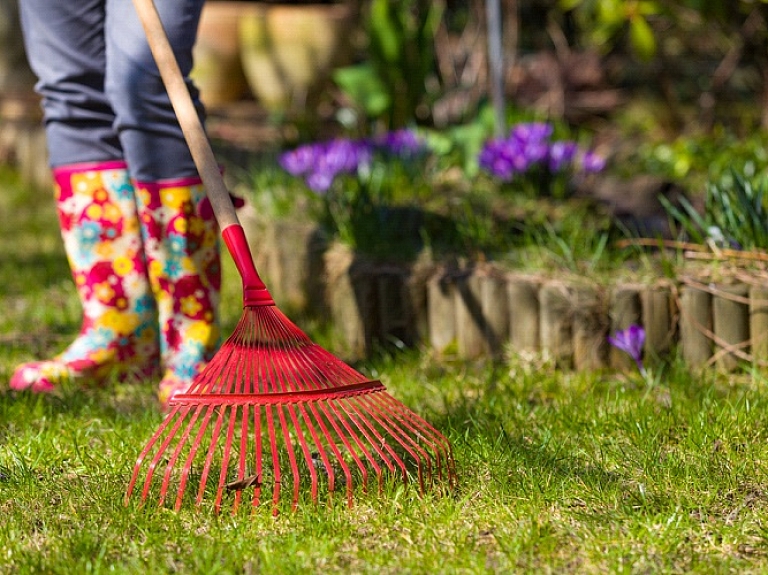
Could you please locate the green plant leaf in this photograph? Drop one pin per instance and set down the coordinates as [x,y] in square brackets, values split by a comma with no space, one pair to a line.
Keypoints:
[648,7]
[642,38]
[611,12]
[601,36]
[567,5]
[688,218]
[362,85]
[384,31]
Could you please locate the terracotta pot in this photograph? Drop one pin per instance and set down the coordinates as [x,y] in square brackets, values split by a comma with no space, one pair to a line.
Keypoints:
[287,50]
[217,71]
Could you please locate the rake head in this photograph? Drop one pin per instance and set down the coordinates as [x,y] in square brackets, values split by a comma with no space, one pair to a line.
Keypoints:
[275,412]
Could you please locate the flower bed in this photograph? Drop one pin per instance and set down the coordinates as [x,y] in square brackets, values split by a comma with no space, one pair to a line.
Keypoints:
[418,256]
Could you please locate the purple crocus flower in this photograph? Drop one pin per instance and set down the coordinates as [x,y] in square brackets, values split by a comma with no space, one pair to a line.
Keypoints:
[532,131]
[505,158]
[534,152]
[301,160]
[320,163]
[631,340]
[529,146]
[319,182]
[401,143]
[592,162]
[343,156]
[516,154]
[561,154]
[495,158]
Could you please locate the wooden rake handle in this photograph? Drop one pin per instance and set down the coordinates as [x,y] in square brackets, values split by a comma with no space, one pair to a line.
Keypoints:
[191,127]
[254,291]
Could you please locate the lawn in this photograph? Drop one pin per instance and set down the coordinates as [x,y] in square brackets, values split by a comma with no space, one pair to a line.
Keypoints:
[558,471]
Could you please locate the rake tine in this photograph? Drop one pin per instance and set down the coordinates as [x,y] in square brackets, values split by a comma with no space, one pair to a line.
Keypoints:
[226,456]
[350,425]
[324,406]
[193,451]
[381,443]
[416,432]
[307,457]
[304,374]
[291,455]
[257,428]
[428,433]
[402,438]
[176,452]
[144,452]
[158,455]
[275,460]
[219,364]
[229,368]
[209,456]
[243,378]
[242,462]
[334,370]
[415,437]
[258,448]
[320,449]
[203,380]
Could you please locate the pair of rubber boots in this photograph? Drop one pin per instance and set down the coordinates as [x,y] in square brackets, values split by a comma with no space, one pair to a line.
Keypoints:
[145,260]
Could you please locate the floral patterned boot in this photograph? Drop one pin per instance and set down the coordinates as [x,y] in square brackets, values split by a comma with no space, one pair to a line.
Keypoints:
[182,247]
[102,238]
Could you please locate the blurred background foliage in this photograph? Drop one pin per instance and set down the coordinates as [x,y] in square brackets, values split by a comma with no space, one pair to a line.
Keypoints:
[674,89]
[696,56]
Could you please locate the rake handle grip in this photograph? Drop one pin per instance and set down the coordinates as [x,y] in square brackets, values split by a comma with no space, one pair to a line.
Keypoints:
[190,123]
[255,293]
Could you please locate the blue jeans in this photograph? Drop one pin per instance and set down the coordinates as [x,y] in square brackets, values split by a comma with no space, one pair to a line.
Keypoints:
[102,95]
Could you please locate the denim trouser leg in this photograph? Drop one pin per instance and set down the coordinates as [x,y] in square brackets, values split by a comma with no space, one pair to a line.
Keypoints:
[103,97]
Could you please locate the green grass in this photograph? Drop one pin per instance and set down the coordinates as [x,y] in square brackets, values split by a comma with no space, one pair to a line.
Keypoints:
[558,472]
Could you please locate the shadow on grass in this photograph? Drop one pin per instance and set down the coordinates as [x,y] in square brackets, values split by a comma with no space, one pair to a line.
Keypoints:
[503,452]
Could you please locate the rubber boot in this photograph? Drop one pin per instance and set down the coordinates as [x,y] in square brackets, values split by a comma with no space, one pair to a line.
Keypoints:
[181,241]
[99,223]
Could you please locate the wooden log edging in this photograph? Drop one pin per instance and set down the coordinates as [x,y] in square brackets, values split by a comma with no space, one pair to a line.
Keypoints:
[590,327]
[481,313]
[524,309]
[625,309]
[732,337]
[568,321]
[374,304]
[730,323]
[441,311]
[474,311]
[695,325]
[658,302]
[758,322]
[556,322]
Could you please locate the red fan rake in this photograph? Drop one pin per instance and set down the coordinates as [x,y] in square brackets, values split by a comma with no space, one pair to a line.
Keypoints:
[273,411]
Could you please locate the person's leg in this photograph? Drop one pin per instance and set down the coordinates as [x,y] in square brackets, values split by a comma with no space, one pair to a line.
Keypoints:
[95,200]
[66,49]
[149,132]
[180,231]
